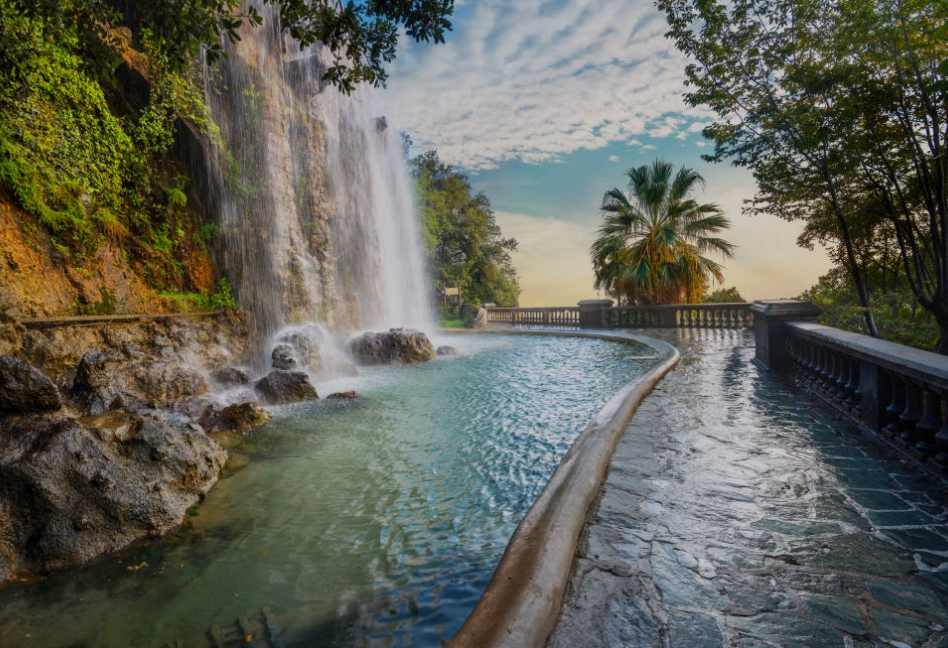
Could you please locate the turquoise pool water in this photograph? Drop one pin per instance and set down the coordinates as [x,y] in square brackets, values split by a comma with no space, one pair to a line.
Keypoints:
[375,522]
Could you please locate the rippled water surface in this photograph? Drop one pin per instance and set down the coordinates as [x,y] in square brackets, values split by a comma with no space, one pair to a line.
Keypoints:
[372,522]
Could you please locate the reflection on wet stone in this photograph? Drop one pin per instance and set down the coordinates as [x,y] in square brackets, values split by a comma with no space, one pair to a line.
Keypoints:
[738,512]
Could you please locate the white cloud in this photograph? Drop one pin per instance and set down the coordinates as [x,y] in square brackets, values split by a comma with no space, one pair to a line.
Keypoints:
[533,80]
[648,147]
[613,158]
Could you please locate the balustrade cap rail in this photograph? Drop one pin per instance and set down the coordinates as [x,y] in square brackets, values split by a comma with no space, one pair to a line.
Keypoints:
[899,358]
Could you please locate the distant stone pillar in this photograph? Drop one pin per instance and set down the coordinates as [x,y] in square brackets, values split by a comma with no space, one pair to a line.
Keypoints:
[669,317]
[593,314]
[770,329]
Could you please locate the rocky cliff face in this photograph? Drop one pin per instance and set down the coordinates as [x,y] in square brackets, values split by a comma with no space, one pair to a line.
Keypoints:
[38,280]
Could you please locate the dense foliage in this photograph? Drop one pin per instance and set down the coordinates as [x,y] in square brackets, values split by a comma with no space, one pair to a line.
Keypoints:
[898,314]
[78,158]
[724,296]
[651,246]
[362,35]
[840,108]
[464,244]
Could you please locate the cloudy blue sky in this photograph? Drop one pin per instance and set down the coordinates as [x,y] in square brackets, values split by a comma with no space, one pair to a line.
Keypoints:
[545,104]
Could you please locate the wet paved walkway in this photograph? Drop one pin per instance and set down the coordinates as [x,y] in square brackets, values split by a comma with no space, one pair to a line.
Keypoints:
[738,513]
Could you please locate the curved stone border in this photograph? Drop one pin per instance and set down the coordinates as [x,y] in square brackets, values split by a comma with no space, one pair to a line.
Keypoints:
[522,601]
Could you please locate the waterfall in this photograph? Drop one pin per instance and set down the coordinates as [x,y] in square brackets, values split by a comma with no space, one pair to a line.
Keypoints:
[311,194]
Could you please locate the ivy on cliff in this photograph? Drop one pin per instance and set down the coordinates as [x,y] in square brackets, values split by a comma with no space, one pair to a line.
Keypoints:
[75,155]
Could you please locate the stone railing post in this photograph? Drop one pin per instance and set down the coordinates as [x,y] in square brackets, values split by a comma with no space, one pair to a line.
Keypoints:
[592,313]
[669,317]
[770,329]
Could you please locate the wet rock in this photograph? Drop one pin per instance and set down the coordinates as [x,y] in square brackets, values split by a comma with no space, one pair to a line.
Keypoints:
[244,417]
[24,388]
[11,334]
[76,488]
[447,351]
[305,347]
[231,376]
[282,386]
[345,395]
[164,383]
[396,346]
[200,409]
[282,357]
[93,387]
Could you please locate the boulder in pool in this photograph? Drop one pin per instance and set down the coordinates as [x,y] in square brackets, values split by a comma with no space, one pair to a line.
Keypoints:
[345,395]
[280,386]
[24,388]
[231,376]
[244,417]
[77,488]
[396,346]
[282,357]
[447,351]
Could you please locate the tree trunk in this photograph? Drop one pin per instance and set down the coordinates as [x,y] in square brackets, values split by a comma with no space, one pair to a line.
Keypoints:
[940,310]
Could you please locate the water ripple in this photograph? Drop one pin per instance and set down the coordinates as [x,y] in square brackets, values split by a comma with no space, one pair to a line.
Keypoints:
[372,523]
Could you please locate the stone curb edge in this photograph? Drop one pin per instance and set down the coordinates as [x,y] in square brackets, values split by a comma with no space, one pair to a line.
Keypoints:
[521,604]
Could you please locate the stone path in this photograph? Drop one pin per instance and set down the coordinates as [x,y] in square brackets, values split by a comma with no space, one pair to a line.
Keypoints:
[738,513]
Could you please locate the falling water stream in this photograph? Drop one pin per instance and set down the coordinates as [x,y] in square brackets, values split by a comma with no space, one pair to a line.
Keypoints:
[311,192]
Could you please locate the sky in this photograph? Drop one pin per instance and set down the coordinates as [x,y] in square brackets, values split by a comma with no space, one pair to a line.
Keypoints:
[545,104]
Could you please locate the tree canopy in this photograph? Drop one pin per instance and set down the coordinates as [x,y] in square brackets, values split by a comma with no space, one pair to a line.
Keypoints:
[363,36]
[463,242]
[652,243]
[840,109]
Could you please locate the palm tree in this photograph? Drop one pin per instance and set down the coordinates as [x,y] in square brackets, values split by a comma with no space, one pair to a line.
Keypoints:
[651,247]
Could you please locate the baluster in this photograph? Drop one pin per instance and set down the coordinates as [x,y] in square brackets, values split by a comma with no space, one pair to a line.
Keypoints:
[811,361]
[817,370]
[842,378]
[912,413]
[852,387]
[930,423]
[941,437]
[831,377]
[896,405]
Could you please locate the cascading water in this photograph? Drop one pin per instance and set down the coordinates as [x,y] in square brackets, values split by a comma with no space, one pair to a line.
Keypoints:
[313,199]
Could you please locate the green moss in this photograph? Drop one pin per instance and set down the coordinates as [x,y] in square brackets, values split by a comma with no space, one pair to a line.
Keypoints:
[83,169]
[221,299]
[105,306]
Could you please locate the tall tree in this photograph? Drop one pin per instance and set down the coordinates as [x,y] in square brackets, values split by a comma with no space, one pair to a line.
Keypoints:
[651,245]
[464,243]
[838,107]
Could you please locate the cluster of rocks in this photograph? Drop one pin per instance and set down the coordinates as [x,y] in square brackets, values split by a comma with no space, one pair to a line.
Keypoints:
[118,444]
[92,467]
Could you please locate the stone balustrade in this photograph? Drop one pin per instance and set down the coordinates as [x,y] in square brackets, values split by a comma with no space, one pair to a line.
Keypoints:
[601,314]
[896,392]
[566,316]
